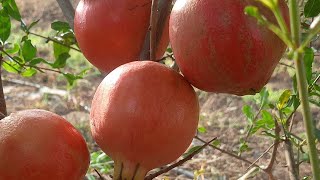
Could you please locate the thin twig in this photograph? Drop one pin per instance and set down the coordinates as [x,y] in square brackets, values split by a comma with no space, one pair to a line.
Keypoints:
[263,154]
[101,177]
[228,153]
[55,41]
[179,163]
[287,65]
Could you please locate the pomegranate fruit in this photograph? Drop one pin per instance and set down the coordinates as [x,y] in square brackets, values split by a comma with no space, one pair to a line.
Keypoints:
[143,115]
[112,32]
[220,49]
[37,144]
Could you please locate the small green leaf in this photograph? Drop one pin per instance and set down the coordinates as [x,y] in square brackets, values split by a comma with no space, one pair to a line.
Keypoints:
[60,26]
[32,25]
[28,51]
[5,26]
[59,49]
[202,130]
[216,143]
[252,11]
[11,7]
[169,50]
[15,49]
[71,78]
[29,72]
[247,110]
[11,67]
[312,8]
[191,150]
[284,99]
[61,61]
[36,61]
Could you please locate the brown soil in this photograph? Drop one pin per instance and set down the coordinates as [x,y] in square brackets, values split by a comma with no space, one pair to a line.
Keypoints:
[221,114]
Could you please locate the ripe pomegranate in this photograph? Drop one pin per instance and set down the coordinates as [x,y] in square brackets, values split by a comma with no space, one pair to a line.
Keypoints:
[220,49]
[37,144]
[112,32]
[144,115]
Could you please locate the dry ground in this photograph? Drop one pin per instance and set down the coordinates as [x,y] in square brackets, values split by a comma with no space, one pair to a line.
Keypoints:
[221,114]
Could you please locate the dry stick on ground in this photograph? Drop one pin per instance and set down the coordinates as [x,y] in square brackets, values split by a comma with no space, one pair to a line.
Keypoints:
[3,107]
[179,163]
[67,10]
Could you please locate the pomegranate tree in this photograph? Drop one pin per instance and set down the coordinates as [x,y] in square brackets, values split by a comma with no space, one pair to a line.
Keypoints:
[143,115]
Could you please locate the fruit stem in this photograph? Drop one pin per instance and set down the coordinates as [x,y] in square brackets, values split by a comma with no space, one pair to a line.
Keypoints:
[303,87]
[3,107]
[124,170]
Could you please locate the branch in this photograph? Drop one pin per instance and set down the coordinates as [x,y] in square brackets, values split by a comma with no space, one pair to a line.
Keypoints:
[159,15]
[229,153]
[179,163]
[67,10]
[3,107]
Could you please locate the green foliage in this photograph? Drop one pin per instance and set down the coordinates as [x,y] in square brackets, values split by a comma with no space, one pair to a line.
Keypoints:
[21,56]
[312,8]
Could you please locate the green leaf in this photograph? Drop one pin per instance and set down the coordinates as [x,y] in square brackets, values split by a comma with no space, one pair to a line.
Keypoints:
[202,130]
[28,51]
[169,50]
[71,78]
[11,67]
[308,62]
[29,72]
[5,26]
[36,61]
[15,49]
[59,49]
[216,143]
[312,8]
[264,95]
[11,7]
[32,25]
[61,61]
[252,11]
[60,26]
[191,150]
[284,99]
[266,122]
[247,110]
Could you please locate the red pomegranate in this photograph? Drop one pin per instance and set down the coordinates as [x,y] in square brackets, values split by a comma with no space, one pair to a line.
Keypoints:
[37,144]
[220,49]
[143,115]
[112,32]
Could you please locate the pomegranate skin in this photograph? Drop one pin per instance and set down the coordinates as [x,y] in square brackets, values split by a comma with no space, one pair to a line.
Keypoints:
[37,144]
[144,113]
[220,49]
[112,32]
